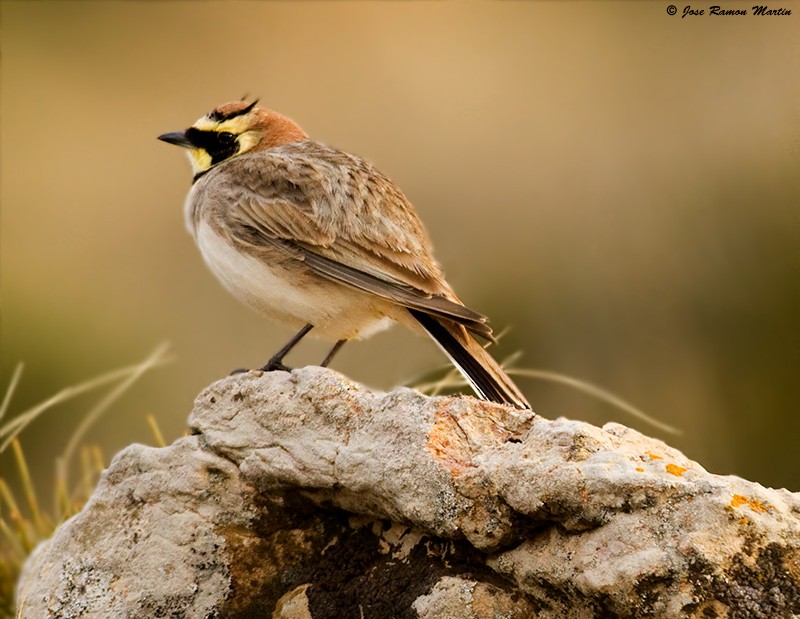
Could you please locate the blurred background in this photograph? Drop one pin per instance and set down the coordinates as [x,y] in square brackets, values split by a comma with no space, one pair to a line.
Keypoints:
[618,186]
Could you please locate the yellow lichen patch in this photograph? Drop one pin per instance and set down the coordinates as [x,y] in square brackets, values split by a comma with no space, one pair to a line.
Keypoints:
[639,469]
[674,469]
[653,456]
[738,500]
[754,504]
[744,520]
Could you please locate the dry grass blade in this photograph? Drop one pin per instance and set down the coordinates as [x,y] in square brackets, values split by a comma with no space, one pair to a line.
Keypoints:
[87,472]
[98,459]
[27,487]
[8,498]
[155,359]
[12,386]
[452,379]
[157,436]
[61,504]
[12,539]
[16,425]
[20,534]
[597,392]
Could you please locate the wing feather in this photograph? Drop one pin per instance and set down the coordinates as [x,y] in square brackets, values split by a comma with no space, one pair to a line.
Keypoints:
[344,219]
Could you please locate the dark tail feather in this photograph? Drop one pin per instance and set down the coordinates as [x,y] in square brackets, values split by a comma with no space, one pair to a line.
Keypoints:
[485,375]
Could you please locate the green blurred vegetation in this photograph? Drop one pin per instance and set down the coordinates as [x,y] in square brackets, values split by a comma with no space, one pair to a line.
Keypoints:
[617,185]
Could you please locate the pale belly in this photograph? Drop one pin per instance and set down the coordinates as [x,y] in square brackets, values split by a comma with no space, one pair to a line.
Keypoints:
[294,297]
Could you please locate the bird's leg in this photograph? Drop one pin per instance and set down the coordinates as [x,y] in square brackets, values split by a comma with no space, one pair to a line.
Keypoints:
[333,351]
[276,362]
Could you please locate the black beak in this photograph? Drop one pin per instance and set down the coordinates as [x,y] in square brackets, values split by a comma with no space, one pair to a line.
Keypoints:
[178,138]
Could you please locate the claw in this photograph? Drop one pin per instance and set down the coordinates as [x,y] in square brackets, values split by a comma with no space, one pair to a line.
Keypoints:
[275,364]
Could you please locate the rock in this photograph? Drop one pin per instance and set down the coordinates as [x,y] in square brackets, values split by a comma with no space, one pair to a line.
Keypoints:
[303,495]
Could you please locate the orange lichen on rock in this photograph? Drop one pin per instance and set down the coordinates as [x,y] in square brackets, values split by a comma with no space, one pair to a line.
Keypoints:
[653,456]
[738,500]
[448,446]
[753,504]
[639,469]
[676,470]
[455,435]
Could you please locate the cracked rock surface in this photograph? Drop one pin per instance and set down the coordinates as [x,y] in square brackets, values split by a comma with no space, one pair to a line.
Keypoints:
[304,495]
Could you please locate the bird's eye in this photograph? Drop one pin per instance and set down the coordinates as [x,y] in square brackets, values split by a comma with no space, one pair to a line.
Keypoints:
[226,138]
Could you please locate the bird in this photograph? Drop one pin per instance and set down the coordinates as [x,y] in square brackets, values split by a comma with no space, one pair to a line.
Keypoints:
[320,240]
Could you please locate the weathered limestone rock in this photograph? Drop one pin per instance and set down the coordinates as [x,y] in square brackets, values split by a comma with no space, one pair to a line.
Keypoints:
[303,495]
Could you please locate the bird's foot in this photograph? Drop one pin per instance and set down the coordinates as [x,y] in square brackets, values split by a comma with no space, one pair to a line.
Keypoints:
[275,364]
[271,366]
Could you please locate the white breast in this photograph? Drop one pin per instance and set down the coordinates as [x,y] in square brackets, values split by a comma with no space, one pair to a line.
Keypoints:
[336,311]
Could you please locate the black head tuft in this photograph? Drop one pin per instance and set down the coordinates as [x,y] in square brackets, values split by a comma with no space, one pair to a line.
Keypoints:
[218,116]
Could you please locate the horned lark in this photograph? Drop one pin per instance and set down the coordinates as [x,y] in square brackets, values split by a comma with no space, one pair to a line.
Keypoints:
[319,239]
